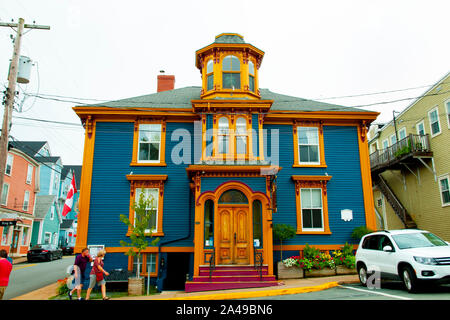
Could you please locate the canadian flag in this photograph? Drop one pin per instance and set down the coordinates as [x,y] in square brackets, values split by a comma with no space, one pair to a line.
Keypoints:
[69,200]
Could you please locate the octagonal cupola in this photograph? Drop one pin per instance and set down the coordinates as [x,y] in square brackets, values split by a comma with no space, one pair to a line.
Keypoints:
[229,68]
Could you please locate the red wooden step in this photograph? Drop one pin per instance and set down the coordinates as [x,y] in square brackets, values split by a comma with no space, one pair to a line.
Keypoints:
[211,286]
[232,272]
[228,278]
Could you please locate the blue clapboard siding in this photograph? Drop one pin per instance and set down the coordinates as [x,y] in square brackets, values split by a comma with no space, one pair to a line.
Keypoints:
[255,134]
[110,191]
[344,190]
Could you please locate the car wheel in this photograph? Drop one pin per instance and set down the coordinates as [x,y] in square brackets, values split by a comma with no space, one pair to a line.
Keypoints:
[50,257]
[409,279]
[362,274]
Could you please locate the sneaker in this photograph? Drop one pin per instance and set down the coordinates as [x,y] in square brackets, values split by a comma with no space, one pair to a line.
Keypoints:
[79,299]
[70,295]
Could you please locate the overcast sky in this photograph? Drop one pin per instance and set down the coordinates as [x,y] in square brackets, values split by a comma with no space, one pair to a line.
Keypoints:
[313,49]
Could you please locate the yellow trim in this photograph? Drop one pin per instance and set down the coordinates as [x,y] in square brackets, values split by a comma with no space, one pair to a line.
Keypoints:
[199,249]
[366,177]
[85,184]
[314,124]
[143,182]
[162,151]
[315,182]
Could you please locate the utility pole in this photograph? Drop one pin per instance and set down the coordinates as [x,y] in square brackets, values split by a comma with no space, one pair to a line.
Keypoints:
[395,126]
[11,91]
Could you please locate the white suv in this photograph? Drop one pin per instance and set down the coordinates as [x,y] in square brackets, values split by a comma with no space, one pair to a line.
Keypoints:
[411,256]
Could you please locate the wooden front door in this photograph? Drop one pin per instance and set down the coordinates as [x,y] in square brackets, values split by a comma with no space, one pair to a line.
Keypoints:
[233,234]
[15,241]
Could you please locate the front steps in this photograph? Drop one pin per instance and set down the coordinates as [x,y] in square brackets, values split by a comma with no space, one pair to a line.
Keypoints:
[230,277]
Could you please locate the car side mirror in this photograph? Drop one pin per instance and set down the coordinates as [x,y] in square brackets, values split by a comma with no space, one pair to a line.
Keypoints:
[388,249]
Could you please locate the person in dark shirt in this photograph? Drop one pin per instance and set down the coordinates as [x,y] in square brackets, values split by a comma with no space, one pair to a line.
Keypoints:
[79,268]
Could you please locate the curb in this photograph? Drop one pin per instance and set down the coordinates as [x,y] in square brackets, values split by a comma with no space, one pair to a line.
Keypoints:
[259,294]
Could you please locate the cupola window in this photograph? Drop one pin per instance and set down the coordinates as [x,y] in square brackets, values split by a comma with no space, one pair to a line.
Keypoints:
[231,73]
[251,76]
[209,75]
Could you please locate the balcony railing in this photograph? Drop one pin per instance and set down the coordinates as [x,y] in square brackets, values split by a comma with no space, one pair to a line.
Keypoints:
[411,145]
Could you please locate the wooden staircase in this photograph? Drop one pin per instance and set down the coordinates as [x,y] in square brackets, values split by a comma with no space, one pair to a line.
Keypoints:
[230,277]
[399,209]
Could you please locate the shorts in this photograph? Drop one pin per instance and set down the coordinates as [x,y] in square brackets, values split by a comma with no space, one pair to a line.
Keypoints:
[93,281]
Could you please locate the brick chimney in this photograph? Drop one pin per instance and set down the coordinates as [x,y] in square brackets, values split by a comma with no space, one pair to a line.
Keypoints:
[165,82]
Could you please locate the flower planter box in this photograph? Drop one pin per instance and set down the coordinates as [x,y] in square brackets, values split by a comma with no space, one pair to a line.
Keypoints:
[327,272]
[341,270]
[135,286]
[289,272]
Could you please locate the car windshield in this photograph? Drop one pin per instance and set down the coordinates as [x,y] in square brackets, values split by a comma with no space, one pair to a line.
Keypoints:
[418,240]
[42,246]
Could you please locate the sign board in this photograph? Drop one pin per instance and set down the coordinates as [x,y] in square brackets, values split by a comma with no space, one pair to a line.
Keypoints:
[346,215]
[7,223]
[94,249]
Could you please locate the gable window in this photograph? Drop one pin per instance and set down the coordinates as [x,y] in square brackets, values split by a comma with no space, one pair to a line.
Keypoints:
[444,185]
[29,174]
[420,127]
[251,76]
[312,205]
[241,136]
[223,135]
[210,75]
[152,188]
[231,73]
[9,164]
[5,191]
[149,143]
[402,134]
[435,125]
[26,201]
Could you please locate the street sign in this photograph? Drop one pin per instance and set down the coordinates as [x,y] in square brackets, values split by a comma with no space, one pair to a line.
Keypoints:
[7,223]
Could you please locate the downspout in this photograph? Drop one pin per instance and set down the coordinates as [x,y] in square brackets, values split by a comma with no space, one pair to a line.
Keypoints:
[160,244]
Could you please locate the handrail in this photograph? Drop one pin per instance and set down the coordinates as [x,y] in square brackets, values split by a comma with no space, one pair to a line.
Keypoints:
[410,144]
[392,199]
[212,263]
[258,256]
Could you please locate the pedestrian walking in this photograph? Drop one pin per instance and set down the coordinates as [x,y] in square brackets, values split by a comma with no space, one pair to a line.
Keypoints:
[79,267]
[5,271]
[96,275]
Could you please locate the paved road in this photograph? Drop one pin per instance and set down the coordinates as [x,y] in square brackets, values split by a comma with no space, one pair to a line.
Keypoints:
[26,277]
[388,291]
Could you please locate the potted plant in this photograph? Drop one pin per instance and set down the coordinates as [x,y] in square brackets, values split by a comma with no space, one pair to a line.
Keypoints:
[138,231]
[290,268]
[282,232]
[316,263]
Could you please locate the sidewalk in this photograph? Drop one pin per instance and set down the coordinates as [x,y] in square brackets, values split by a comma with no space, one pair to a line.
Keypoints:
[290,286]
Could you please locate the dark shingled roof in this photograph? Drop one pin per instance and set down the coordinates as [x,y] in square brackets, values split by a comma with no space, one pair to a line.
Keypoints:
[229,38]
[181,98]
[43,204]
[47,159]
[77,169]
[28,147]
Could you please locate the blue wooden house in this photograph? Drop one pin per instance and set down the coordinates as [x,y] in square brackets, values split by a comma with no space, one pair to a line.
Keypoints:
[223,162]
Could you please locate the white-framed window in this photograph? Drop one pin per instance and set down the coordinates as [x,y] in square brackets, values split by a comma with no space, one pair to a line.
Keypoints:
[29,174]
[9,164]
[149,143]
[373,147]
[52,212]
[385,143]
[153,195]
[402,133]
[5,192]
[308,145]
[447,108]
[444,186]
[435,125]
[26,201]
[210,75]
[393,139]
[420,127]
[241,136]
[47,238]
[5,235]
[312,209]
[223,135]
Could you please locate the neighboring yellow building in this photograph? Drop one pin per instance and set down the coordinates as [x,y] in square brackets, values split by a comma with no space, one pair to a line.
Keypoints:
[410,164]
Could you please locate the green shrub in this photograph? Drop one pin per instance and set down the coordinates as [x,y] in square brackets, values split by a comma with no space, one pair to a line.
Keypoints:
[360,232]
